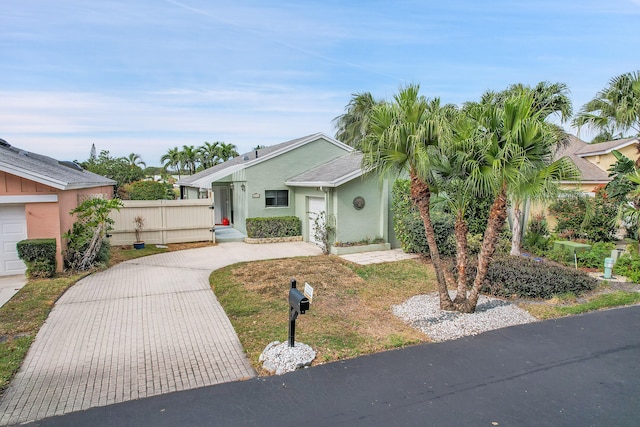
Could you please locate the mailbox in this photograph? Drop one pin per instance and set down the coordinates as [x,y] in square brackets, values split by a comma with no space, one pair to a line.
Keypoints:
[298,304]
[297,301]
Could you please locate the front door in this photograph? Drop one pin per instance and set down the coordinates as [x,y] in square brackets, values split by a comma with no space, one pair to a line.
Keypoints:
[316,207]
[222,197]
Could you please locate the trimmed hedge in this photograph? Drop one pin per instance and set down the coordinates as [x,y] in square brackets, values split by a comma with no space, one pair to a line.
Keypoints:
[39,255]
[527,278]
[280,226]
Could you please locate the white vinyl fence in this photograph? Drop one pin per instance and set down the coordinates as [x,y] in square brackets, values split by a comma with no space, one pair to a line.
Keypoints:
[165,221]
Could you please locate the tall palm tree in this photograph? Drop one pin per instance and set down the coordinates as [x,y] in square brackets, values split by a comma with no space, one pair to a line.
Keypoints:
[353,125]
[615,110]
[171,159]
[227,151]
[189,158]
[209,154]
[518,142]
[398,136]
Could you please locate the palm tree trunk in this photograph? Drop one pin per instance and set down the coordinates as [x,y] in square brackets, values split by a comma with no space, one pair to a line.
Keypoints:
[516,238]
[421,197]
[497,218]
[461,230]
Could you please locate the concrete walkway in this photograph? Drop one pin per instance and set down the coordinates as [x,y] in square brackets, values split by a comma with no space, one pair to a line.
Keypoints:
[142,328]
[9,286]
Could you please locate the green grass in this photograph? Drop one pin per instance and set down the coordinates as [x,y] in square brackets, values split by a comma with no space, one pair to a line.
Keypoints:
[22,317]
[599,302]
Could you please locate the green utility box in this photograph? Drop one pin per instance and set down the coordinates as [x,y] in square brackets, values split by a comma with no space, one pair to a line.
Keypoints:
[571,247]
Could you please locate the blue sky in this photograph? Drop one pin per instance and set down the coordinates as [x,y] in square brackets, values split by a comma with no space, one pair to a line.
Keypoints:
[143,76]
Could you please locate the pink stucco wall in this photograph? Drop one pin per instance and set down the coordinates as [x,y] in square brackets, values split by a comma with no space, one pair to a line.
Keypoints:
[48,219]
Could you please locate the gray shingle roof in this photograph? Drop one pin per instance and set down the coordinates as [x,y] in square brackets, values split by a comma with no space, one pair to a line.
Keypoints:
[589,172]
[243,158]
[331,174]
[48,171]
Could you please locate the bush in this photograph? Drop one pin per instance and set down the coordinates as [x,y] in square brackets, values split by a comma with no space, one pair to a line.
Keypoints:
[148,190]
[282,226]
[536,239]
[594,258]
[628,265]
[39,255]
[526,278]
[591,218]
[409,227]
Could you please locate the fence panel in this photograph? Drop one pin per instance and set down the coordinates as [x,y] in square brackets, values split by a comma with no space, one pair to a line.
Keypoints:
[165,221]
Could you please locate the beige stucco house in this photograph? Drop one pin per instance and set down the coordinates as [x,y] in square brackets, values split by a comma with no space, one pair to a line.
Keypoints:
[36,195]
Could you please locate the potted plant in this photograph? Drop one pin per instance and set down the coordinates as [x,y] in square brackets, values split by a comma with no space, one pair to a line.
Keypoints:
[139,221]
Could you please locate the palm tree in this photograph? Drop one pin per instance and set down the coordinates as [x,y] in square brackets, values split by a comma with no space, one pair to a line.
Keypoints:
[172,160]
[615,110]
[209,154]
[517,141]
[227,151]
[135,160]
[399,134]
[353,125]
[189,158]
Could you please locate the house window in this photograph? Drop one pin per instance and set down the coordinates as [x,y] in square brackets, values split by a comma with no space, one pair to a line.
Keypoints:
[276,198]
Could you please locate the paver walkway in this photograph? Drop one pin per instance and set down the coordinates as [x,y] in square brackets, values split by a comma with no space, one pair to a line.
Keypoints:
[142,328]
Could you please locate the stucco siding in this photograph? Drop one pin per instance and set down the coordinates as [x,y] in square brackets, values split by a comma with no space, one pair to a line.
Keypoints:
[370,222]
[271,175]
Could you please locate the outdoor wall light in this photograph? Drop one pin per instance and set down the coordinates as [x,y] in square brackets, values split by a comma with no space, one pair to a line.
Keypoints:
[243,187]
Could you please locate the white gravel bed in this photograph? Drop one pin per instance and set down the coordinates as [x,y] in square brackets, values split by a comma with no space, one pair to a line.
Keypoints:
[423,313]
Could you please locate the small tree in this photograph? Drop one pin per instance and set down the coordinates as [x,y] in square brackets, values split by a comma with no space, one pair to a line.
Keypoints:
[86,242]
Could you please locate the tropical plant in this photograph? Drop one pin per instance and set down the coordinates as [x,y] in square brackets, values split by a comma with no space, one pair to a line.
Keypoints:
[399,134]
[227,151]
[353,125]
[189,158]
[135,160]
[615,110]
[171,159]
[209,154]
[86,241]
[116,168]
[625,189]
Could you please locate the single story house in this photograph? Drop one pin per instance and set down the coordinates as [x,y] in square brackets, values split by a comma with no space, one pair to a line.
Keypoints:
[36,195]
[303,177]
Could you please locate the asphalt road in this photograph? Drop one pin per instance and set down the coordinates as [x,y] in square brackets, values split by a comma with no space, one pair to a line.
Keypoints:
[577,371]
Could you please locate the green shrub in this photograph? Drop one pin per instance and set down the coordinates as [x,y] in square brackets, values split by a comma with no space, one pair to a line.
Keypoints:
[39,255]
[591,218]
[148,190]
[536,239]
[594,258]
[409,227]
[527,278]
[628,265]
[282,226]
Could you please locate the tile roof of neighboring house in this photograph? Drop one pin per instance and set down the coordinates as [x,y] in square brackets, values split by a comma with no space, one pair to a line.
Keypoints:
[331,174]
[203,178]
[46,170]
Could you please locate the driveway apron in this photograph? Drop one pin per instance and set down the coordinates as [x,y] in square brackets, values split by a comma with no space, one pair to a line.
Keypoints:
[142,328]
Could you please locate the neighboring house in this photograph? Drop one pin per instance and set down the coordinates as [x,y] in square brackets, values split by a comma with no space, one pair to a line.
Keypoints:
[594,160]
[302,177]
[36,195]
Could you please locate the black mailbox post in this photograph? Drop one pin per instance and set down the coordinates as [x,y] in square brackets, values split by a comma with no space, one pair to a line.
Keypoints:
[298,304]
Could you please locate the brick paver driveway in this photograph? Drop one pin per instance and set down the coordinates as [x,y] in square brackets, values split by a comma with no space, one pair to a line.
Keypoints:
[142,328]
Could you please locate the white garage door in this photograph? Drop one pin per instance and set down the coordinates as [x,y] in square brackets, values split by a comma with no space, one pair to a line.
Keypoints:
[13,228]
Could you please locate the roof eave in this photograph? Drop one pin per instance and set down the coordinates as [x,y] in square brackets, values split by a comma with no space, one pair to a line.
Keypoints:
[32,176]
